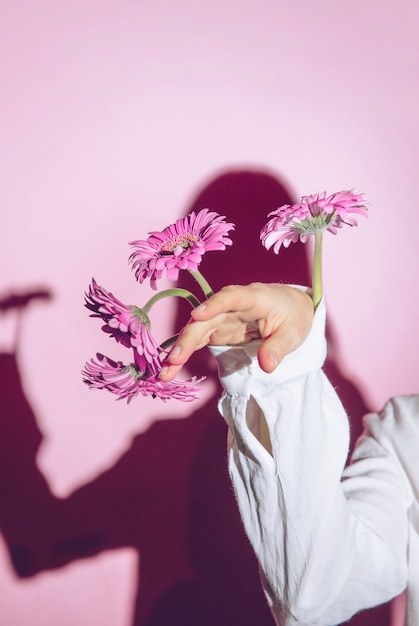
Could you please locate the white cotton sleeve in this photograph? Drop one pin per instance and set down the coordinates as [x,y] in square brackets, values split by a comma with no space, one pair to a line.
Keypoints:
[326,548]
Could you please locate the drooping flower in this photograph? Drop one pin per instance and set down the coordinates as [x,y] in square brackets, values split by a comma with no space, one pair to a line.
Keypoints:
[317,212]
[128,381]
[127,324]
[180,246]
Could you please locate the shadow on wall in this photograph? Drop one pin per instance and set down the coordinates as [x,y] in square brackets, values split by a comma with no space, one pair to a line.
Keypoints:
[169,495]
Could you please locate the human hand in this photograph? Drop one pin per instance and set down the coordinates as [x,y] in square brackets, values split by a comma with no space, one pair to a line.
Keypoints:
[279,314]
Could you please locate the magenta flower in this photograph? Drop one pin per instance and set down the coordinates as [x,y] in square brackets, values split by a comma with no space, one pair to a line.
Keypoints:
[128,381]
[180,246]
[312,216]
[128,325]
[292,222]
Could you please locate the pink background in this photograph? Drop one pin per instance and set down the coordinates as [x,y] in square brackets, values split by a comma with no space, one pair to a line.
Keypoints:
[115,116]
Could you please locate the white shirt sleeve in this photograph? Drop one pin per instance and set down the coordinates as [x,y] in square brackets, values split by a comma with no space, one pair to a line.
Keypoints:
[329,542]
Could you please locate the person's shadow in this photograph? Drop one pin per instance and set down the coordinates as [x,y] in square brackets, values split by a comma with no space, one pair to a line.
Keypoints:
[169,496]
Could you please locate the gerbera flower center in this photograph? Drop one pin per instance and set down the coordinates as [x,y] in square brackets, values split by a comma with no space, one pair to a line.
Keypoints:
[184,241]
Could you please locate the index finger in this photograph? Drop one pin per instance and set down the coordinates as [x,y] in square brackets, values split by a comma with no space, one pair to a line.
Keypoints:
[232,298]
[194,336]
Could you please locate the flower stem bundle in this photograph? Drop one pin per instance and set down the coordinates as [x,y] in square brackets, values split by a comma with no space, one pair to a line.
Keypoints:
[179,247]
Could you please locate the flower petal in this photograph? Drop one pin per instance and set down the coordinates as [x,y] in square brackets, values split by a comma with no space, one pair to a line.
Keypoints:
[179,246]
[127,381]
[292,222]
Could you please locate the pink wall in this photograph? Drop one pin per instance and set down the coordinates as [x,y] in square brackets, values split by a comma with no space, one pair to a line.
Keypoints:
[114,117]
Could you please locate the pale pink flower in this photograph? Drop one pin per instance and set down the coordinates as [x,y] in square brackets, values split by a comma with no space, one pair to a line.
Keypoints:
[128,325]
[180,246]
[292,222]
[128,381]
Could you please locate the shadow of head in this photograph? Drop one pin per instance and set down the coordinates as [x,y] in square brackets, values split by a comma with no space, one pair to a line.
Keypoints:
[245,198]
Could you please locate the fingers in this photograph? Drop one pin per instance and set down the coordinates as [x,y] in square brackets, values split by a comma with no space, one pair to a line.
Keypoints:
[221,329]
[194,336]
[280,314]
[168,372]
[212,322]
[228,299]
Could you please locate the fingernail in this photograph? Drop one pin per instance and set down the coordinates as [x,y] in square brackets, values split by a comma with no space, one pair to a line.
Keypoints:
[201,307]
[163,371]
[274,359]
[175,352]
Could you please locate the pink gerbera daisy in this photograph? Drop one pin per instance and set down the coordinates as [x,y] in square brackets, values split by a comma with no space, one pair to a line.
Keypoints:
[127,324]
[317,212]
[180,246]
[128,381]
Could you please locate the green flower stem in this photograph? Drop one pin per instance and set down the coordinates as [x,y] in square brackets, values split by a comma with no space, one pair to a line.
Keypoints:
[166,293]
[169,342]
[202,282]
[317,282]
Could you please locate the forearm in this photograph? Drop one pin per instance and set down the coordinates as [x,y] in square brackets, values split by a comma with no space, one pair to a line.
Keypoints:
[321,551]
[289,500]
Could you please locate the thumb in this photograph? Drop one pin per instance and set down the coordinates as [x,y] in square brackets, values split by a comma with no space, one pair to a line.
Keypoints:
[271,353]
[275,347]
